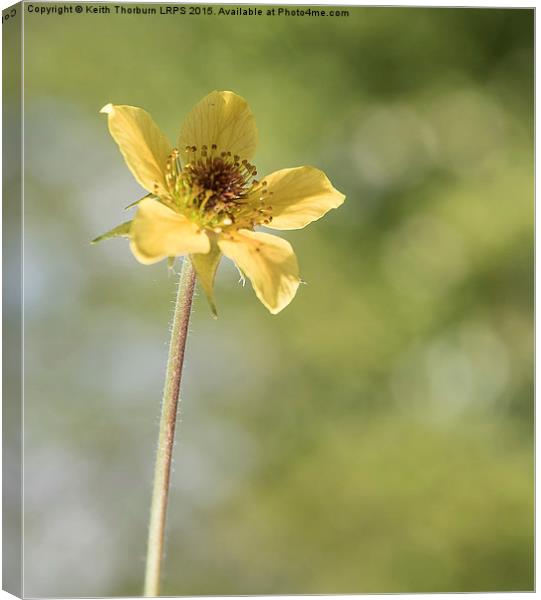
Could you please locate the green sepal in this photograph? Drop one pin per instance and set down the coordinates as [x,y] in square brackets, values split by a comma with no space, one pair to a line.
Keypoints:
[140,200]
[122,230]
[205,266]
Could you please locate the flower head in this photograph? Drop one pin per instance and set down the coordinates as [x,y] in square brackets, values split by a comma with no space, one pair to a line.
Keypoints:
[205,198]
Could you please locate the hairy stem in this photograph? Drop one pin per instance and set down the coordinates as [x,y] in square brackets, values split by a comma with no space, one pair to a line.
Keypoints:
[168,419]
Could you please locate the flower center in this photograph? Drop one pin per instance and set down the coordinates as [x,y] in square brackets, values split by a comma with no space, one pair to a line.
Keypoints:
[217,190]
[227,178]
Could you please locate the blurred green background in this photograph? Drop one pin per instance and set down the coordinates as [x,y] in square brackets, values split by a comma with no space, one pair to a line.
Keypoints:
[377,435]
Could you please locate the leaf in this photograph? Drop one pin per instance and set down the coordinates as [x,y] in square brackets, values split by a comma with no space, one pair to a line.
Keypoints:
[205,266]
[122,230]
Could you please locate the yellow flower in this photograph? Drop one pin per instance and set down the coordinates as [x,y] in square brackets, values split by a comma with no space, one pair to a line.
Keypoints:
[204,199]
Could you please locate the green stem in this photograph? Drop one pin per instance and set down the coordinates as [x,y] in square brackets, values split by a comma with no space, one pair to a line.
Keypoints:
[162,469]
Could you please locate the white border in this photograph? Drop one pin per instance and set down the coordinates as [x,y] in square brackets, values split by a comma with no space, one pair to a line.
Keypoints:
[374,3]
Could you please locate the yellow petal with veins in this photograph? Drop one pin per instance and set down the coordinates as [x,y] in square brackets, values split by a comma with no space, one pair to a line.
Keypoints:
[205,266]
[143,146]
[268,261]
[221,118]
[298,196]
[158,232]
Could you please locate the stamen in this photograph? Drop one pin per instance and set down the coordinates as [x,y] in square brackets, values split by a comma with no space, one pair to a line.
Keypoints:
[216,189]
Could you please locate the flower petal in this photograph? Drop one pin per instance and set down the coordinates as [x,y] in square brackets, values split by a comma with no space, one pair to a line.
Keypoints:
[268,261]
[221,118]
[158,232]
[143,146]
[205,266]
[299,196]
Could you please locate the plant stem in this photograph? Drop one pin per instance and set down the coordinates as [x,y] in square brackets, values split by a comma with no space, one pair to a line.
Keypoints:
[168,419]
